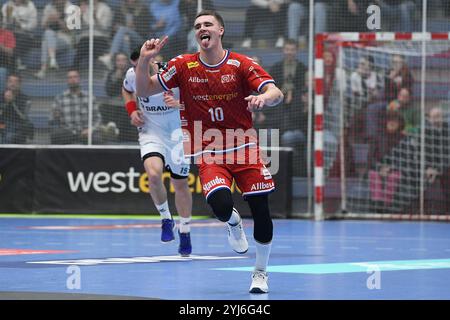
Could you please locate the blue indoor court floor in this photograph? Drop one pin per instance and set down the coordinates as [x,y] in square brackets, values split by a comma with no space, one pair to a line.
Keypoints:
[122,258]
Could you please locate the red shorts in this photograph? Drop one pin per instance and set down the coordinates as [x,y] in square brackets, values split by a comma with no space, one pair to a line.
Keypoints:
[251,175]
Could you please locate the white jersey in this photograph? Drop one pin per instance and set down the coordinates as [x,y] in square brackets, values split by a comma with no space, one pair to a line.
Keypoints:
[161,132]
[159,118]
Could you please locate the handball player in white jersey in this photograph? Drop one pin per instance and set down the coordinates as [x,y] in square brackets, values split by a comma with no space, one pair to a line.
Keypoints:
[160,139]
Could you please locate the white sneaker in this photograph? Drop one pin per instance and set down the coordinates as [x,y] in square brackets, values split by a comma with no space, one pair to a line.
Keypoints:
[53,64]
[280,42]
[41,74]
[106,59]
[259,282]
[247,43]
[237,238]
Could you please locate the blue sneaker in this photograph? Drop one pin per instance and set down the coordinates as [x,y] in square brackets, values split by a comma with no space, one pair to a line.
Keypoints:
[185,248]
[168,227]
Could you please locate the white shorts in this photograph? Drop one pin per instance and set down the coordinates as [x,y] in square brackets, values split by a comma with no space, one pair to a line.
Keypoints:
[170,152]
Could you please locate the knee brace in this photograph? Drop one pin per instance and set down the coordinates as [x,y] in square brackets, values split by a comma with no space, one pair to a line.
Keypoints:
[263,229]
[221,203]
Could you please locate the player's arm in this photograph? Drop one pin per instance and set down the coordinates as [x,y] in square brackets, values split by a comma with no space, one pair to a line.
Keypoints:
[133,111]
[146,84]
[271,96]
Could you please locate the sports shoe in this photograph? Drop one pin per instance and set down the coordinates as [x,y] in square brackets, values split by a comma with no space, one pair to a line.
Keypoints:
[53,64]
[185,247]
[106,59]
[280,42]
[168,227]
[247,43]
[40,74]
[237,238]
[259,282]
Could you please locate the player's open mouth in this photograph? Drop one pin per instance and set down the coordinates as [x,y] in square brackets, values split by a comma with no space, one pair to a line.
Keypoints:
[205,38]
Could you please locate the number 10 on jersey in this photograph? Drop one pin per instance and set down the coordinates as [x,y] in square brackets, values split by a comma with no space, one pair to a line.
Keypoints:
[216,114]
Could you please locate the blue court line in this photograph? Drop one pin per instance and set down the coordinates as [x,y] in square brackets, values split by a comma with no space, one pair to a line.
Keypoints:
[348,267]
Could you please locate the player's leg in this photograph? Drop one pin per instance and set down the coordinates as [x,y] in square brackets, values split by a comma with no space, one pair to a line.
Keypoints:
[221,203]
[183,203]
[255,182]
[262,233]
[154,166]
[216,183]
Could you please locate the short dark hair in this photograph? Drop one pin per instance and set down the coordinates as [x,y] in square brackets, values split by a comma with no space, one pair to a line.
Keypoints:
[215,14]
[135,54]
[291,42]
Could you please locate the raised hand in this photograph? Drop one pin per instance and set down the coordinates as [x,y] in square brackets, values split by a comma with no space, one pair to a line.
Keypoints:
[151,48]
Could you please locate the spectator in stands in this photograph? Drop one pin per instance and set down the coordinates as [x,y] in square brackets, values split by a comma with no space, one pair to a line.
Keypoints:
[384,177]
[103,16]
[394,11]
[166,20]
[70,115]
[131,29]
[289,74]
[113,111]
[397,77]
[266,11]
[56,35]
[376,114]
[7,49]
[349,15]
[437,153]
[408,110]
[298,13]
[188,12]
[15,109]
[21,17]
[365,83]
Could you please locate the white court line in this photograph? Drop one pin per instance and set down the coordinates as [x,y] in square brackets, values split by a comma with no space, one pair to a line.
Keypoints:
[350,248]
[379,248]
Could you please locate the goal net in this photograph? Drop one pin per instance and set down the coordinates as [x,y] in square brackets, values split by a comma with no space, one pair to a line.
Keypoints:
[382,125]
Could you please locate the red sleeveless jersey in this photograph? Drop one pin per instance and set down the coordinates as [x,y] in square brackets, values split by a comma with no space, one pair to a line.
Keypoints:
[215,113]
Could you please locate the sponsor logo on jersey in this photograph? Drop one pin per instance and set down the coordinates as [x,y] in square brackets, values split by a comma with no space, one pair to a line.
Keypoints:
[216,181]
[170,73]
[157,108]
[234,62]
[266,174]
[252,69]
[226,78]
[262,186]
[211,97]
[197,80]
[192,64]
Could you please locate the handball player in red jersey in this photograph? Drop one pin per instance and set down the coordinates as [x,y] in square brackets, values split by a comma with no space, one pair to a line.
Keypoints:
[216,87]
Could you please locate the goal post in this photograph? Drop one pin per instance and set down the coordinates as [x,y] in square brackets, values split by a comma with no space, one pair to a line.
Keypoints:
[381,125]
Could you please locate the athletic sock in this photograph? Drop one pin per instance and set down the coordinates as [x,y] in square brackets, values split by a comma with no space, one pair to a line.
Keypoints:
[235,218]
[164,211]
[262,255]
[185,226]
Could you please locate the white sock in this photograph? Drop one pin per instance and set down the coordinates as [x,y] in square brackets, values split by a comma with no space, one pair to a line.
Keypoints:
[262,255]
[164,211]
[235,218]
[185,226]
